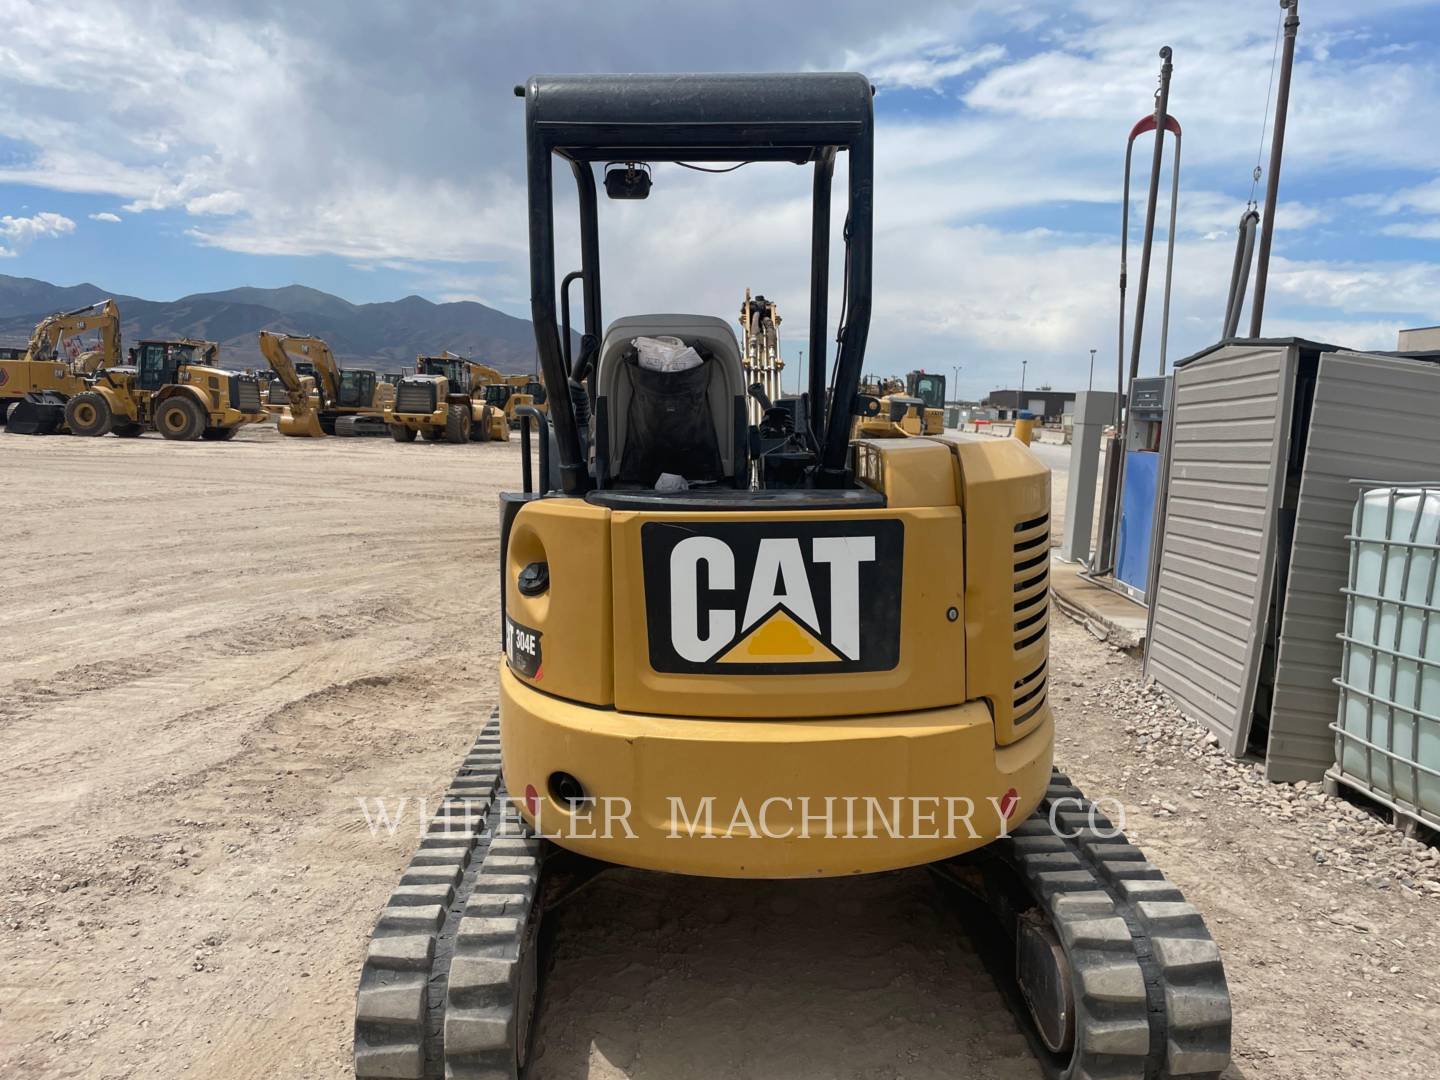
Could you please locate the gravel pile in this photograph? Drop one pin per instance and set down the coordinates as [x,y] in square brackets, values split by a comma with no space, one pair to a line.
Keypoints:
[1340,837]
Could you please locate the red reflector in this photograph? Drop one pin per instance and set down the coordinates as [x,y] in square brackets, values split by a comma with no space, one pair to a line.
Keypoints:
[1009,802]
[532,799]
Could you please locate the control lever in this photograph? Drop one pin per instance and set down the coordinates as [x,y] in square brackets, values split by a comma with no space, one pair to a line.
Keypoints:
[775,422]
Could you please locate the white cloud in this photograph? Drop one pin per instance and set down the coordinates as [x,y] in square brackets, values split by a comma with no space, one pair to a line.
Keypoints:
[18,232]
[928,68]
[415,163]
[1420,230]
[1378,335]
[217,202]
[105,215]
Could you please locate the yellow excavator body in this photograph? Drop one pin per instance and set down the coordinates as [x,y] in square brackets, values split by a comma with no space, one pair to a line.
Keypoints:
[321,397]
[745,643]
[775,721]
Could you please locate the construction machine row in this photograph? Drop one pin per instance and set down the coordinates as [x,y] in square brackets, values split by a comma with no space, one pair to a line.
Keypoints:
[58,385]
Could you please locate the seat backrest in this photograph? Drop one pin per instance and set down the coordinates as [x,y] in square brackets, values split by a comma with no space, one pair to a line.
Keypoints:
[725,390]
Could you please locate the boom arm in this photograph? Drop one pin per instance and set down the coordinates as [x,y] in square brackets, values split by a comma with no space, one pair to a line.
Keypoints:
[103,316]
[273,348]
[318,352]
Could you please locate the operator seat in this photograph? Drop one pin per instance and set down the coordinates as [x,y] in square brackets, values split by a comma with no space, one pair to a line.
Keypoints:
[636,431]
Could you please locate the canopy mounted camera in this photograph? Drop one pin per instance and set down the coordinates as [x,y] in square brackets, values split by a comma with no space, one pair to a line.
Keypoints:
[627,180]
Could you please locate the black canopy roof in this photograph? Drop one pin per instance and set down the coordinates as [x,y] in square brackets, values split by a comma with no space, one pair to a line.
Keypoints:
[712,117]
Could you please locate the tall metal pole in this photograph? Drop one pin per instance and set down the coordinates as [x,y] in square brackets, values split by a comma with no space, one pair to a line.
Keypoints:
[1162,110]
[1169,247]
[1091,384]
[1023,365]
[1272,181]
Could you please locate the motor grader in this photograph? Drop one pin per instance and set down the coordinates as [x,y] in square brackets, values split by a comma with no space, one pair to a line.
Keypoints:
[55,366]
[807,625]
[174,387]
[445,399]
[323,398]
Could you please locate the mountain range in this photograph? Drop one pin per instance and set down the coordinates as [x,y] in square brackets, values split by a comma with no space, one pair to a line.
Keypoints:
[386,336]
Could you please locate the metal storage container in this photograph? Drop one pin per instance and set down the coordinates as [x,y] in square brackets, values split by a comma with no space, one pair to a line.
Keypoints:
[1247,597]
[1387,734]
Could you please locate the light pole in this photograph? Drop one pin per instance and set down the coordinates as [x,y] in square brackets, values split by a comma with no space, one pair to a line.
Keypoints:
[1091,386]
[955,387]
[799,374]
[1023,365]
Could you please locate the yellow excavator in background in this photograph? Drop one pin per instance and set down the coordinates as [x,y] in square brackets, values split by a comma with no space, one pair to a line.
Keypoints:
[769,650]
[445,399]
[174,387]
[323,398]
[55,367]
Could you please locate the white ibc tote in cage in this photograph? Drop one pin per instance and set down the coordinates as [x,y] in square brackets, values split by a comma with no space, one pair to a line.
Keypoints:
[1388,731]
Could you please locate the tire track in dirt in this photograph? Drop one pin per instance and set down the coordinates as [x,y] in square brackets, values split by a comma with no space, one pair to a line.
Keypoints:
[262,871]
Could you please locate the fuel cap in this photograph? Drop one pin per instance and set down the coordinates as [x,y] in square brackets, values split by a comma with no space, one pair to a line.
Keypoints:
[534,579]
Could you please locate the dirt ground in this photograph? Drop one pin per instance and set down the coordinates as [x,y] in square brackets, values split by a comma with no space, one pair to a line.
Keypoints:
[212,651]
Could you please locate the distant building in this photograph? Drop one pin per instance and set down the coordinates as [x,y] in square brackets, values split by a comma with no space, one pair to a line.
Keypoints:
[1049,405]
[1421,339]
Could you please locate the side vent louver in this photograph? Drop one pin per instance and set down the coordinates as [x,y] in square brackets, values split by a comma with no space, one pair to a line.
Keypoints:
[1031,609]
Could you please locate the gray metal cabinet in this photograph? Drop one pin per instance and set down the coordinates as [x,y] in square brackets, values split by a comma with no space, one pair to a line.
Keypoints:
[1265,441]
[1374,417]
[1228,434]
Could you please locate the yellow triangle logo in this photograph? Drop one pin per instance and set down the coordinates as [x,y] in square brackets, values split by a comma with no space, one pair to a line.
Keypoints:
[779,639]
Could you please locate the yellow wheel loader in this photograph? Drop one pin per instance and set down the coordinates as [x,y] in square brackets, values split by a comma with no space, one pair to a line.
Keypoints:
[444,399]
[174,387]
[929,388]
[55,366]
[767,650]
[321,397]
[512,392]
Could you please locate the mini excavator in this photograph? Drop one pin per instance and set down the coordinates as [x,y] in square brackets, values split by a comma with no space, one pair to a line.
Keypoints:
[805,622]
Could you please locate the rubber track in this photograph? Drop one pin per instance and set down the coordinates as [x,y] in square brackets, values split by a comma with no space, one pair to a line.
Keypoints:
[1150,995]
[407,968]
[440,985]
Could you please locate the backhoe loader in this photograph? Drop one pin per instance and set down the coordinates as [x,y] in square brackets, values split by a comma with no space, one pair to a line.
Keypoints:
[445,399]
[802,661]
[54,367]
[321,397]
[174,387]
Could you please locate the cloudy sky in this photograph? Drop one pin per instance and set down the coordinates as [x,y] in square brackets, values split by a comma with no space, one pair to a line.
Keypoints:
[374,150]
